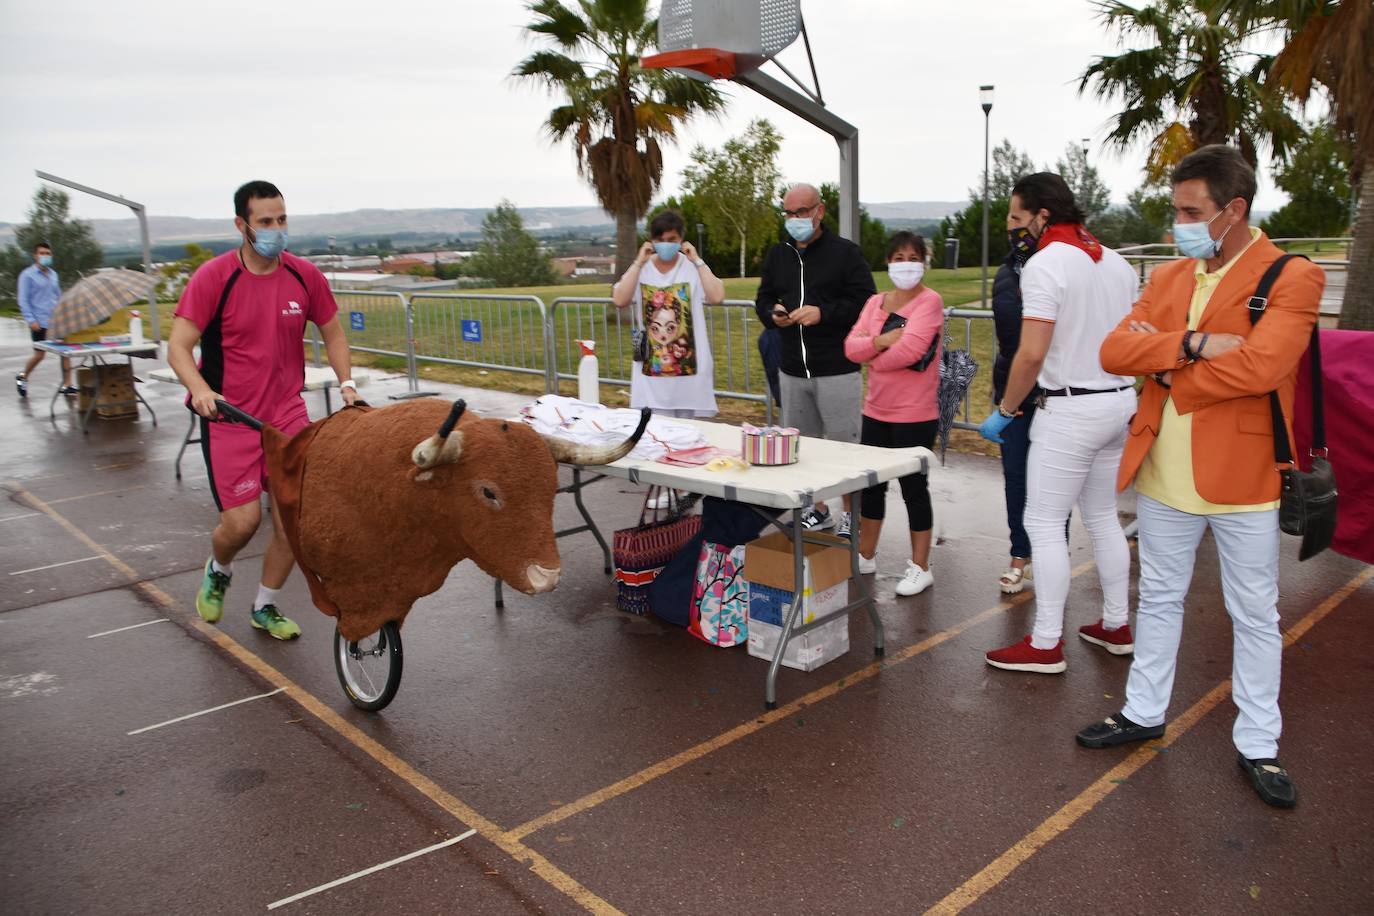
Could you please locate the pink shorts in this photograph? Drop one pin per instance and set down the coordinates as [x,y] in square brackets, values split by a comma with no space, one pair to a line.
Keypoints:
[234,460]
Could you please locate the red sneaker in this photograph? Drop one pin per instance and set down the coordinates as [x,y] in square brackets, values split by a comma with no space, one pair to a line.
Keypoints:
[1025,657]
[1117,642]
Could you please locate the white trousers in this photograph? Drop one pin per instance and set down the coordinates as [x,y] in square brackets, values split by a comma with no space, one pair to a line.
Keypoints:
[1248,548]
[1075,452]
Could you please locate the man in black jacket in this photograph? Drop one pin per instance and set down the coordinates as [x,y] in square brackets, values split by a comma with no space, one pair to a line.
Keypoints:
[812,290]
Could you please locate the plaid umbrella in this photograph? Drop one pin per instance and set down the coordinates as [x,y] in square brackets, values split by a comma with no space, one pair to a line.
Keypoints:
[957,368]
[97,297]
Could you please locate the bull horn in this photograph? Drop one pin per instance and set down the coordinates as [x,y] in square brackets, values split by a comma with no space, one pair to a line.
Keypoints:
[437,448]
[578,453]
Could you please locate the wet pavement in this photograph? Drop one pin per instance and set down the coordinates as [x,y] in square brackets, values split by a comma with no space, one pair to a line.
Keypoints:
[608,762]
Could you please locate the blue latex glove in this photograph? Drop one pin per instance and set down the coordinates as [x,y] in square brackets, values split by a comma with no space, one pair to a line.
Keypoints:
[991,428]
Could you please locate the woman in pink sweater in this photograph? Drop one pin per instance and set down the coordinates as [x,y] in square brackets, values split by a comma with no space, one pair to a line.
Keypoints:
[898,336]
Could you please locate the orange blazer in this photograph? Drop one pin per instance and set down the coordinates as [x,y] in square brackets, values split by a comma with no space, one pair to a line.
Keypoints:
[1233,451]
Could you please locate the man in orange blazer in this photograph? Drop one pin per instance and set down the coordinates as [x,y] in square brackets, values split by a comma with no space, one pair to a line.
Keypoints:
[1201,451]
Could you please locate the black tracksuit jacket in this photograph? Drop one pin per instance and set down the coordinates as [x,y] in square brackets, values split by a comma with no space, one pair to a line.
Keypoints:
[829,273]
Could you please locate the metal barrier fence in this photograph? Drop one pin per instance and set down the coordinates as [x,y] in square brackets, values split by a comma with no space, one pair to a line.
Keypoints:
[520,334]
[485,332]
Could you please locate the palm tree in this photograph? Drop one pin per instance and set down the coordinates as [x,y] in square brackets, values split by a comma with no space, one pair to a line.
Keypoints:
[617,114]
[1190,82]
[1330,43]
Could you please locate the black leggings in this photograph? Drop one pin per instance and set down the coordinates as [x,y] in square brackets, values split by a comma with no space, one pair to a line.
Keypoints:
[915,487]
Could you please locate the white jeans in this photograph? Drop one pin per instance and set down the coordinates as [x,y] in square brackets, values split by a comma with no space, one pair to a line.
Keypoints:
[1248,549]
[1074,455]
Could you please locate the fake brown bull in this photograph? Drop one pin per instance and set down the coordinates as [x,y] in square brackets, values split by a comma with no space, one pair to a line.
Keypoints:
[379,507]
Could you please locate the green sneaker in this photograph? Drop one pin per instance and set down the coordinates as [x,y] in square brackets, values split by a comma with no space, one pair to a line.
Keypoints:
[270,619]
[210,598]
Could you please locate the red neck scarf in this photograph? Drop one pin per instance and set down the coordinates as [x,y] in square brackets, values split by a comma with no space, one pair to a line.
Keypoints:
[1071,234]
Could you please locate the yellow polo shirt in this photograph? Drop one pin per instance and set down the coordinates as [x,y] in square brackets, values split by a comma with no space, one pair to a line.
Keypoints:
[1166,475]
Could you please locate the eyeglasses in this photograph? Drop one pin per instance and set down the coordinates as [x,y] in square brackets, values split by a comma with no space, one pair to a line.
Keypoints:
[800,212]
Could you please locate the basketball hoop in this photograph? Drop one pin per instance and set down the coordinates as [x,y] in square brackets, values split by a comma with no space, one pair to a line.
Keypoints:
[698,63]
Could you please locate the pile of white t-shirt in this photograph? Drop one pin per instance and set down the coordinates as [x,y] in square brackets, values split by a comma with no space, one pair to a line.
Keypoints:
[594,424]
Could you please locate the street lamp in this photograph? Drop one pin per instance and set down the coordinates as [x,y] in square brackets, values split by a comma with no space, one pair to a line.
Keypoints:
[1086,142]
[985,97]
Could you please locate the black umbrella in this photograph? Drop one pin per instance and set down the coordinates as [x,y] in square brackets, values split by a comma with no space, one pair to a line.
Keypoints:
[957,369]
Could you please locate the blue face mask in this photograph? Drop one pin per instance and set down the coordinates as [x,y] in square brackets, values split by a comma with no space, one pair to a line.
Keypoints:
[45,260]
[1194,241]
[800,229]
[666,251]
[269,243]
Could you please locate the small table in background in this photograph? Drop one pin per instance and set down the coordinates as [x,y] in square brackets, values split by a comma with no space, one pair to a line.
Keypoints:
[94,355]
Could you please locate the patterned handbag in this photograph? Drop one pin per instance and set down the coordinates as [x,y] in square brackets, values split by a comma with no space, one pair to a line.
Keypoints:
[641,552]
[720,598]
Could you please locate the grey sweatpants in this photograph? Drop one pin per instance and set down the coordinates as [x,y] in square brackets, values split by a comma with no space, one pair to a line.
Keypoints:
[827,406]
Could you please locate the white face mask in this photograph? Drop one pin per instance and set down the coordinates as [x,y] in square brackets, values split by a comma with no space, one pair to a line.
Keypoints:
[906,274]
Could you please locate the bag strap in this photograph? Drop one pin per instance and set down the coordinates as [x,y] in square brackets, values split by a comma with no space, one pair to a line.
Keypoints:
[1259,302]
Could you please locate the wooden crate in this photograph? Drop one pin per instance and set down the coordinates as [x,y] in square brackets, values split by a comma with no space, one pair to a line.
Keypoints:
[111,386]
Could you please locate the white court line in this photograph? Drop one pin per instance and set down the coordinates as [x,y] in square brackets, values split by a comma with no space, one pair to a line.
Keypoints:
[367,871]
[21,572]
[135,626]
[148,728]
[10,518]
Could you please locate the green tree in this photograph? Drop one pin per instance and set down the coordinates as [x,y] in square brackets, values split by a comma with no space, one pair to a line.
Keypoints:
[1089,191]
[1327,46]
[616,113]
[737,187]
[872,232]
[1316,178]
[967,226]
[508,255]
[1009,165]
[74,249]
[1144,219]
[177,274]
[1185,81]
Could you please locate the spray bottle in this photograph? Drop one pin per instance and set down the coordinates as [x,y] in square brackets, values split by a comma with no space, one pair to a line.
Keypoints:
[135,329]
[588,371]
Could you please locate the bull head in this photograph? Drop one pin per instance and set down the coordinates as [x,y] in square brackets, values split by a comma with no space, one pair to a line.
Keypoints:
[446,447]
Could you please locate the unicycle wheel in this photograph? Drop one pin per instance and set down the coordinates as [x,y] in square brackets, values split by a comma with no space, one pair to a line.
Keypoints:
[370,669]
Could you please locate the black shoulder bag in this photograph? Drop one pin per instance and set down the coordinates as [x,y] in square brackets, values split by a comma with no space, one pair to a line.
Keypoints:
[895,321]
[1307,503]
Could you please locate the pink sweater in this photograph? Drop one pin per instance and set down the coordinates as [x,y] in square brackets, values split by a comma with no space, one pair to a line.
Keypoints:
[896,393]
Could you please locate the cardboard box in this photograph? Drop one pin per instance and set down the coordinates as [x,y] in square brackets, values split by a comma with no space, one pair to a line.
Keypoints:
[111,386]
[768,561]
[806,652]
[825,571]
[772,605]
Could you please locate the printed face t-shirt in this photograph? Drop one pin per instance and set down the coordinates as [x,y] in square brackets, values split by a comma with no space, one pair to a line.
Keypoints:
[252,328]
[678,372]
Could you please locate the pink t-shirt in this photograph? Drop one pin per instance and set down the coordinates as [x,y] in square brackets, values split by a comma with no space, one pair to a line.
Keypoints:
[897,393]
[252,329]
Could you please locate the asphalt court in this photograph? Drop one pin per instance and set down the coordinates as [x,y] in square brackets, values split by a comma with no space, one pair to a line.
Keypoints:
[633,766]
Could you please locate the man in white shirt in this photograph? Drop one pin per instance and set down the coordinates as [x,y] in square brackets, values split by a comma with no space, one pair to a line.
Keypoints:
[1074,292]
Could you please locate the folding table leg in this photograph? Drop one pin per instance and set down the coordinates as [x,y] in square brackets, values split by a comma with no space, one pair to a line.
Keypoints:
[770,691]
[865,592]
[189,440]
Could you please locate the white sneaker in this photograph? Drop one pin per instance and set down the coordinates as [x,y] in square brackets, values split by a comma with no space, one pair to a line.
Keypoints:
[843,529]
[663,500]
[915,581]
[868,565]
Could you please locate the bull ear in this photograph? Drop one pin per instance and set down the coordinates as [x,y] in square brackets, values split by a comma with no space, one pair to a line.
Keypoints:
[578,453]
[443,447]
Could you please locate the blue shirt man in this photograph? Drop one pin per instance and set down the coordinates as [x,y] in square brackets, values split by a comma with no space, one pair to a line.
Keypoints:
[39,291]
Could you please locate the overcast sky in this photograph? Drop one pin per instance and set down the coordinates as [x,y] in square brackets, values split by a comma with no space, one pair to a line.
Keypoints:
[347,104]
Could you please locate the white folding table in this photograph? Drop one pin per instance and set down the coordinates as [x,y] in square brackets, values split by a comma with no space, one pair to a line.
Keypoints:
[94,355]
[825,471]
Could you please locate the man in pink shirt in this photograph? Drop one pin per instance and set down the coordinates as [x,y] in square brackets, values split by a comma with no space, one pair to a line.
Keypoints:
[247,310]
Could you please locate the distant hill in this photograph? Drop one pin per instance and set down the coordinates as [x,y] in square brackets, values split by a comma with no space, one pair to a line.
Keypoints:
[371,224]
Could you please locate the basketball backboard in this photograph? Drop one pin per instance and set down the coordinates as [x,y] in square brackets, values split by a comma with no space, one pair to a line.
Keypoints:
[730,40]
